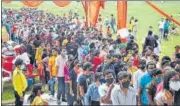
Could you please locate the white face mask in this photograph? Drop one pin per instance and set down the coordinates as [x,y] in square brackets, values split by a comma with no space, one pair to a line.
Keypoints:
[174,85]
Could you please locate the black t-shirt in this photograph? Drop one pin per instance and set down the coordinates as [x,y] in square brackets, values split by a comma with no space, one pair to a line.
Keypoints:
[73,78]
[82,82]
[177,98]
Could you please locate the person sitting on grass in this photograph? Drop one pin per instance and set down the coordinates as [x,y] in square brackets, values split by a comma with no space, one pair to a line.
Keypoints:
[35,97]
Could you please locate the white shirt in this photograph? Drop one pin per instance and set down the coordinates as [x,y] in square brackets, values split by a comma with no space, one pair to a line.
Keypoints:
[60,62]
[136,76]
[103,91]
[161,24]
[23,57]
[158,48]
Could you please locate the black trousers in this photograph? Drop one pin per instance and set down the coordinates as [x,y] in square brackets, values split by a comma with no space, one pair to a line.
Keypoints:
[95,103]
[18,101]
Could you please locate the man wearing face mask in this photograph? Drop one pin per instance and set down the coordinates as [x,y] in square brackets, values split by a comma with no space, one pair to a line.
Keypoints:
[123,93]
[19,83]
[106,88]
[143,81]
[82,80]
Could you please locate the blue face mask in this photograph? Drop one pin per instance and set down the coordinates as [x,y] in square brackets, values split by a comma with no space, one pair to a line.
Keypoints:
[158,80]
[102,81]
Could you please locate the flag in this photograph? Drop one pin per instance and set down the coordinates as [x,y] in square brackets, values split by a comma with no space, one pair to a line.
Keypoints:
[94,8]
[121,14]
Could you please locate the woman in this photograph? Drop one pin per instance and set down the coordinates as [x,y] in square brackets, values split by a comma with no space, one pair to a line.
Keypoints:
[35,98]
[151,87]
[165,96]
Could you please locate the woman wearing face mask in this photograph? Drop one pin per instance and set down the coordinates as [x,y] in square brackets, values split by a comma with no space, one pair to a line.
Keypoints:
[151,87]
[106,88]
[123,93]
[165,95]
[35,98]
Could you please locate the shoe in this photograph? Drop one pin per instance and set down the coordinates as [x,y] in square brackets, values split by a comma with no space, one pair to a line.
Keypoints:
[58,101]
[64,100]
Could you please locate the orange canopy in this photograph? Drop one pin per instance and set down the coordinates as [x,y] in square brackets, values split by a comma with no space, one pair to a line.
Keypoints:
[32,3]
[6,1]
[62,3]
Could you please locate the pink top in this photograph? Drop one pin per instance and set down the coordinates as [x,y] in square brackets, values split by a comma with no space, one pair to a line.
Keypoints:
[66,73]
[159,87]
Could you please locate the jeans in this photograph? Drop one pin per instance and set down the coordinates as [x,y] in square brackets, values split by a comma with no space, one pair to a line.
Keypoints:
[18,101]
[61,88]
[112,27]
[68,93]
[161,32]
[51,86]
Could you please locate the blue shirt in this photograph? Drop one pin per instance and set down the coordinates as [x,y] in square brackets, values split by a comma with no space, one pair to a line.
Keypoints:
[92,94]
[166,25]
[143,81]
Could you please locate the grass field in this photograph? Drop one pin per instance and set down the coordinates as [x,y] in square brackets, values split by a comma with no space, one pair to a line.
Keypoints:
[143,12]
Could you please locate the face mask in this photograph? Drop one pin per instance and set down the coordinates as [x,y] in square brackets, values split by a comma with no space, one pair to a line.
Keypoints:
[102,81]
[126,84]
[158,80]
[174,85]
[109,80]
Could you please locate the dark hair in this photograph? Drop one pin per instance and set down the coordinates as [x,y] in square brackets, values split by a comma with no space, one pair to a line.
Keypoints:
[123,74]
[108,71]
[150,33]
[156,72]
[97,76]
[96,53]
[166,58]
[86,65]
[35,92]
[167,76]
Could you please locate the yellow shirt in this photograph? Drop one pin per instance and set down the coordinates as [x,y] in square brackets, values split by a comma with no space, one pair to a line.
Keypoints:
[65,41]
[19,81]
[39,52]
[131,25]
[38,101]
[52,65]
[132,70]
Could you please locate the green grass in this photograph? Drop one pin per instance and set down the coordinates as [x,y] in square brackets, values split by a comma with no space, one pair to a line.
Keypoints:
[143,12]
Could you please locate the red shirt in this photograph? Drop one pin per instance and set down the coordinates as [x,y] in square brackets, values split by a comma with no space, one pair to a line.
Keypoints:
[96,61]
[136,62]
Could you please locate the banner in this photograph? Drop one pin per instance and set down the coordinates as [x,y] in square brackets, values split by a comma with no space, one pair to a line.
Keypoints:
[94,8]
[121,14]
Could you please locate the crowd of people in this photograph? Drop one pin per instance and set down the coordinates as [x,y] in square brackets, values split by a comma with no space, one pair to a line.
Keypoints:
[86,64]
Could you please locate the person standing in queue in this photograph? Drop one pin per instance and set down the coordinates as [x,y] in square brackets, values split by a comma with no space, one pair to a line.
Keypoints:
[106,88]
[19,83]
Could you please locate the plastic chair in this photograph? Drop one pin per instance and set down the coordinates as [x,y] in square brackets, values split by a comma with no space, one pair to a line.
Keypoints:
[8,66]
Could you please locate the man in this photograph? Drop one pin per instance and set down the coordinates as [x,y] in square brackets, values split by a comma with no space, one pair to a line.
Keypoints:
[166,29]
[113,23]
[161,28]
[80,52]
[143,81]
[106,88]
[19,83]
[138,73]
[60,63]
[150,41]
[92,96]
[52,70]
[82,80]
[123,93]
